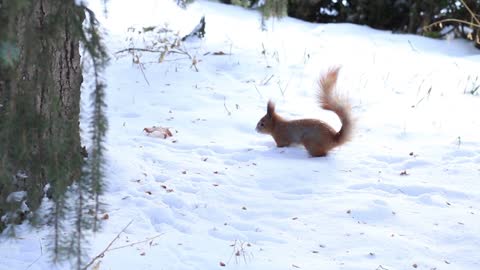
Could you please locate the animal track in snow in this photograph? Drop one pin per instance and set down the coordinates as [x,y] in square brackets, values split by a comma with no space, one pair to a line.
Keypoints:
[377,210]
[413,191]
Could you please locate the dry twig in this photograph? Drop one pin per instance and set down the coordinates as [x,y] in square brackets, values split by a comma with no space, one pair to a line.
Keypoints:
[102,254]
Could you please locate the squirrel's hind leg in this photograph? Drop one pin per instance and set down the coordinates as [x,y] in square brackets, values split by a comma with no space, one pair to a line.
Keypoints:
[315,148]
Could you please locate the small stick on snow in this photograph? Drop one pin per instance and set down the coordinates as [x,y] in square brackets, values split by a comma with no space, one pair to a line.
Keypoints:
[256,88]
[225,105]
[137,49]
[143,73]
[413,47]
[265,83]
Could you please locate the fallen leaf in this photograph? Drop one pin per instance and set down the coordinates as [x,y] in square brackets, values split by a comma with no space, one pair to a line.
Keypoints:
[415,265]
[222,264]
[142,254]
[105,217]
[404,172]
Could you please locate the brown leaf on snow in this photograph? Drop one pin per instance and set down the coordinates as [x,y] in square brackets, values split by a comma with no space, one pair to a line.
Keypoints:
[159,132]
[222,264]
[143,254]
[105,217]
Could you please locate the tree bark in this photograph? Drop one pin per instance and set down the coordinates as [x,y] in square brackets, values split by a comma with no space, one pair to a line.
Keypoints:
[39,103]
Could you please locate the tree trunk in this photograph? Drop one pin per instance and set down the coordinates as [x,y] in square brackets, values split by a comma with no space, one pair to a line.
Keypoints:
[39,102]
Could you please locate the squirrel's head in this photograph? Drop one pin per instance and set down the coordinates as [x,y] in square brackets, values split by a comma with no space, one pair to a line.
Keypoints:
[265,125]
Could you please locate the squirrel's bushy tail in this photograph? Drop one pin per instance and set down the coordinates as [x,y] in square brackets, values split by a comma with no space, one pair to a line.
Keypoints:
[331,101]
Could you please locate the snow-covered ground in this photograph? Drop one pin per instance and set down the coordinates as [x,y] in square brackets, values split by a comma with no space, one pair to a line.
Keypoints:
[403,194]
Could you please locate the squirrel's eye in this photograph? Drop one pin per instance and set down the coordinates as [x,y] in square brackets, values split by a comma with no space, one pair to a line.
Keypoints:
[261,124]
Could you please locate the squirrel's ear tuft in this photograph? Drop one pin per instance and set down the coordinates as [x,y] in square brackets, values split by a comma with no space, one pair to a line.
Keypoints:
[270,108]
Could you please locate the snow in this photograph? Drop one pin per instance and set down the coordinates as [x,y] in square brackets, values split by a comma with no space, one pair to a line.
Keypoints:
[403,194]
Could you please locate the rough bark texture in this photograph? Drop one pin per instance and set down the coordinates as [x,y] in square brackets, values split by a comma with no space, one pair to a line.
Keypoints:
[39,97]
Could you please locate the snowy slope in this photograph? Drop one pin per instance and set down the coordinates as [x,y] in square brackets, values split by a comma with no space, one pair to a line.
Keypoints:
[403,194]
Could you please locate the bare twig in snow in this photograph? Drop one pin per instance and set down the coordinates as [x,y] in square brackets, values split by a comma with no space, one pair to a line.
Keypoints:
[41,254]
[137,243]
[108,247]
[413,47]
[142,69]
[266,81]
[225,105]
[256,88]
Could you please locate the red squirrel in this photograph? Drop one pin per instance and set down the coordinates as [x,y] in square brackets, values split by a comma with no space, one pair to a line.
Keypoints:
[317,136]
